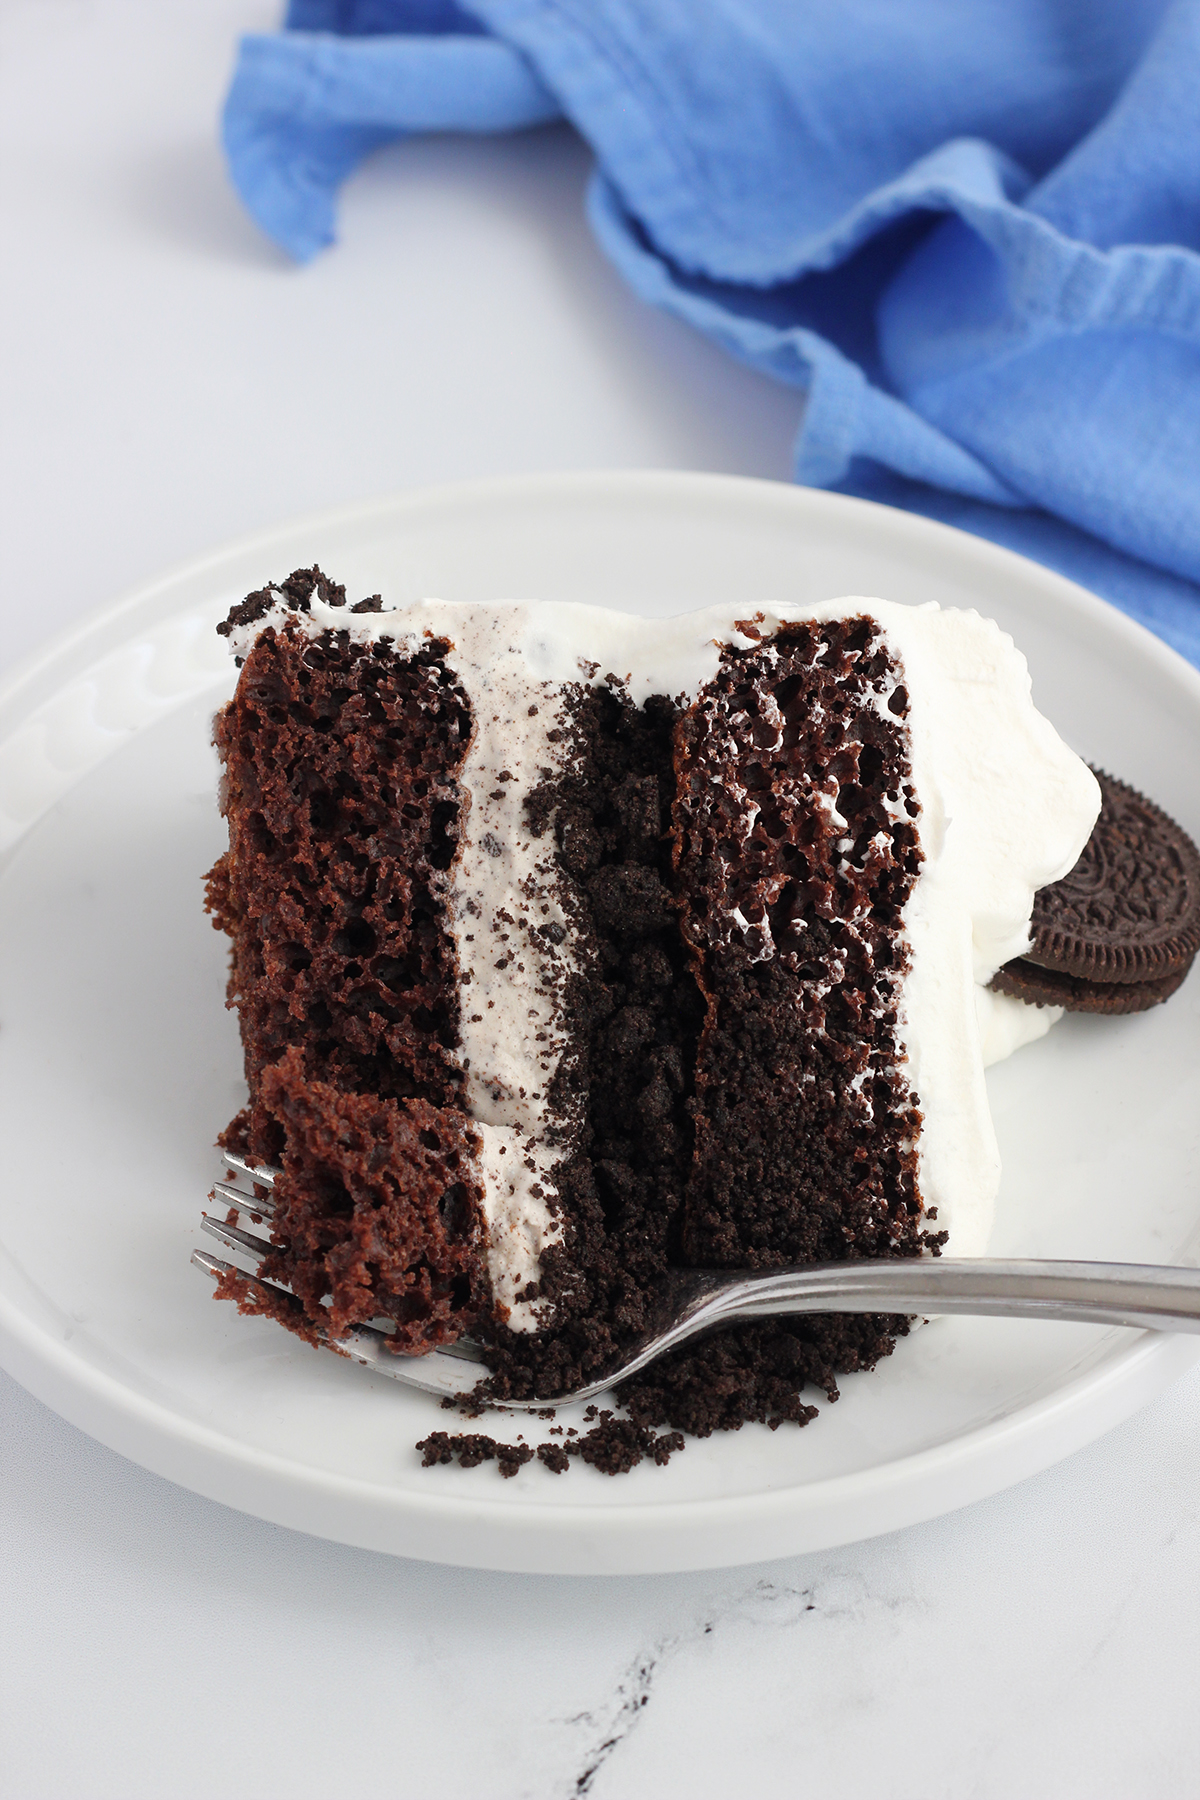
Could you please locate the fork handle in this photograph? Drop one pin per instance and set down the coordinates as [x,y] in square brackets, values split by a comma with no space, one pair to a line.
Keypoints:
[1145,1295]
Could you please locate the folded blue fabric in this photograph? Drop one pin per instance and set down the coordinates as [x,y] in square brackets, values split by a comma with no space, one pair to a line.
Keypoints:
[967,230]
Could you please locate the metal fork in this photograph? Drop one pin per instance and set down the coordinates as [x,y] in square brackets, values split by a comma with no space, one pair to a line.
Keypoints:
[1142,1295]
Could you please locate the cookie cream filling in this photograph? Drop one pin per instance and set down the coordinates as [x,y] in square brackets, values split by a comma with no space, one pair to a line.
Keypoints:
[1005,809]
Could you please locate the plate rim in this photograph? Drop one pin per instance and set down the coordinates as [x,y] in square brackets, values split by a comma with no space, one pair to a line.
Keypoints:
[511,1534]
[503,1531]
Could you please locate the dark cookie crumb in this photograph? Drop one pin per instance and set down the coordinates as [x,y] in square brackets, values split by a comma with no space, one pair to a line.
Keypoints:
[613,1447]
[472,1448]
[297,591]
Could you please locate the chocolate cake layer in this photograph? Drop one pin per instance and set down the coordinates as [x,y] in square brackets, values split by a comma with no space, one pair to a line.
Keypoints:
[342,805]
[796,851]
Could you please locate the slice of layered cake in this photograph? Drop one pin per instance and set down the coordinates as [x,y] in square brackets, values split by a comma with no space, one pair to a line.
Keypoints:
[571,946]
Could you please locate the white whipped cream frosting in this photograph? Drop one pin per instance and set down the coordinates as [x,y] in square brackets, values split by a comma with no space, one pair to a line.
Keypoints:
[1005,809]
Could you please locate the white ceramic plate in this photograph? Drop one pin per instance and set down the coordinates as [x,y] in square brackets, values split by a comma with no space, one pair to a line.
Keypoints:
[118,1064]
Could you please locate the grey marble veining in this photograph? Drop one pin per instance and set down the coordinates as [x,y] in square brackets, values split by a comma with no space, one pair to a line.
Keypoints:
[1042,1642]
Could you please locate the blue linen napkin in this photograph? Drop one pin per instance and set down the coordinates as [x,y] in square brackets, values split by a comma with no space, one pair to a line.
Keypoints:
[968,231]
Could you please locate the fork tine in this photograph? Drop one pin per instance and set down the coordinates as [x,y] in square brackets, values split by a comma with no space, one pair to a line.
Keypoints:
[212,1265]
[265,1175]
[233,1237]
[434,1373]
[245,1203]
[438,1373]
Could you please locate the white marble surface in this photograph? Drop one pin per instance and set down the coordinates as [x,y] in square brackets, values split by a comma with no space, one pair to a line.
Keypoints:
[169,382]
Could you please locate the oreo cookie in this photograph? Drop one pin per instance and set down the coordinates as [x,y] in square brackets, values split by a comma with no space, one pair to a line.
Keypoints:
[1117,934]
[1048,987]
